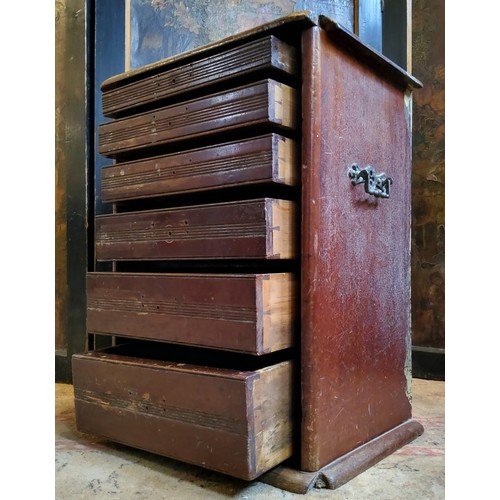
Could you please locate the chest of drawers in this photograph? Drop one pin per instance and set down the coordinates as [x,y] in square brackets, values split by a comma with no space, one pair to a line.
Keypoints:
[259,300]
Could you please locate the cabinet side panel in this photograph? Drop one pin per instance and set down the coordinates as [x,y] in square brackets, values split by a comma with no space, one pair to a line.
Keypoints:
[311,95]
[355,256]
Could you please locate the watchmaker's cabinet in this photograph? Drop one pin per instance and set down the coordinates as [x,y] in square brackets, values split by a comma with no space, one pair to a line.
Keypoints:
[258,295]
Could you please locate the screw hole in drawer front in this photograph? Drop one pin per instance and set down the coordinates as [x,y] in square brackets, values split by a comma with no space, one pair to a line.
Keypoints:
[193,413]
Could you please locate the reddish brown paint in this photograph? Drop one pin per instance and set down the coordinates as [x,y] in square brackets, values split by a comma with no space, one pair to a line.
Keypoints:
[355,255]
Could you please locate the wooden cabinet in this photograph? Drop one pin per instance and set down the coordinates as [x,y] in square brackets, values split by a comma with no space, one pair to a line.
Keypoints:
[260,295]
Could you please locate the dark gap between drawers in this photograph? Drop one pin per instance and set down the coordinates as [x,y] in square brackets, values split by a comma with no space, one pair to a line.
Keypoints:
[246,131]
[198,356]
[205,197]
[211,266]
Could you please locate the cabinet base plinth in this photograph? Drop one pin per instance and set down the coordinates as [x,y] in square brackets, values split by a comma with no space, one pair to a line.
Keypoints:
[346,467]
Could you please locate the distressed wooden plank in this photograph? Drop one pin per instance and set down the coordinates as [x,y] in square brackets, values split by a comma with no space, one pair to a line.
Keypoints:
[207,417]
[272,400]
[245,313]
[261,229]
[268,159]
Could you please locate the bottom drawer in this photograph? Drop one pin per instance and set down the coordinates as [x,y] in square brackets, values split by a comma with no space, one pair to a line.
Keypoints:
[235,422]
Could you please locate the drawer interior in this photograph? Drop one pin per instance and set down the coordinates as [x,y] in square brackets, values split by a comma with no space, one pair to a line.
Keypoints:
[196,356]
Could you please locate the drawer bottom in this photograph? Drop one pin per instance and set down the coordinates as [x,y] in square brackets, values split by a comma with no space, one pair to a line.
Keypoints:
[235,422]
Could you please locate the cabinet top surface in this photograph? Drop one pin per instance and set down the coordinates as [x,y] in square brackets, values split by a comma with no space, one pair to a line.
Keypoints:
[296,22]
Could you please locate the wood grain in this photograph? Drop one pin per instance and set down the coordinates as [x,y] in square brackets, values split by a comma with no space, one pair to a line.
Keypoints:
[272,401]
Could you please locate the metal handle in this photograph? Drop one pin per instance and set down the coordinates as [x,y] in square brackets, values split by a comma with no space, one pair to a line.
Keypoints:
[375,184]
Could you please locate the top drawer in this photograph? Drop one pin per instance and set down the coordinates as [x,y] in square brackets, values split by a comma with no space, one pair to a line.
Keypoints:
[268,56]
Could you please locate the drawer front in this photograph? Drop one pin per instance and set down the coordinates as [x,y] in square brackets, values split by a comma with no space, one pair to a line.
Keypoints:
[269,159]
[269,54]
[234,422]
[261,229]
[246,313]
[264,103]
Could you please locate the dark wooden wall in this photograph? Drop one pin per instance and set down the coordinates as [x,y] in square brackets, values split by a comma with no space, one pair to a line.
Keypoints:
[93,32]
[428,244]
[71,181]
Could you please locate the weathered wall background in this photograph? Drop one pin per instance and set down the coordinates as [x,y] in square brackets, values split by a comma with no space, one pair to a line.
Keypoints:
[428,245]
[162,28]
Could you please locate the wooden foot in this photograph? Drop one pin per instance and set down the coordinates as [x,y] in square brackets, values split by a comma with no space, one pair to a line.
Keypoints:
[346,467]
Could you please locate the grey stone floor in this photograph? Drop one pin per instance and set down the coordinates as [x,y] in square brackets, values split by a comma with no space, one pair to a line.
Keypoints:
[87,467]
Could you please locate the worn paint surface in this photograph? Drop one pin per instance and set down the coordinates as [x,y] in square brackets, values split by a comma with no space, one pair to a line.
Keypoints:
[355,255]
[428,244]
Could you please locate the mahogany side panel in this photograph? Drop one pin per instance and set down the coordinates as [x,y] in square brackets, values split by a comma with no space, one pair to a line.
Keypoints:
[264,103]
[267,159]
[355,255]
[204,416]
[268,54]
[244,313]
[262,229]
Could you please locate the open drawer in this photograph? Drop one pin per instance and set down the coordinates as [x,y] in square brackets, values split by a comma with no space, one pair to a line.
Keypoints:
[250,313]
[237,422]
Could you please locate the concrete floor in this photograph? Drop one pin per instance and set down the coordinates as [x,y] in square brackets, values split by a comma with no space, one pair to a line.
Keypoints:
[88,467]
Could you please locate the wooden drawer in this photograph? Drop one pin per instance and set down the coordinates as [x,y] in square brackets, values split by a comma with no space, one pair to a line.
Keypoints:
[232,421]
[260,229]
[247,313]
[263,103]
[269,55]
[271,159]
